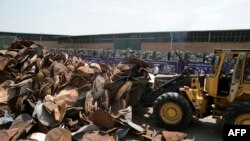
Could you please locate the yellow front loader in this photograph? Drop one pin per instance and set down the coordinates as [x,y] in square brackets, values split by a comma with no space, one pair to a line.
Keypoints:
[218,94]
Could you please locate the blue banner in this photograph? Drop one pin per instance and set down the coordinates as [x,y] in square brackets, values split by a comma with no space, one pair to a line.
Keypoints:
[165,67]
[204,68]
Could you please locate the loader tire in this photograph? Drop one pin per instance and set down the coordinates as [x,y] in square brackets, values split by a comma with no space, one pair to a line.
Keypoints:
[238,114]
[173,111]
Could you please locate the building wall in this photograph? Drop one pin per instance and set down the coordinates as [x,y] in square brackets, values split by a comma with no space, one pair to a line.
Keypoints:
[162,46]
[156,46]
[6,41]
[87,45]
[241,45]
[194,46]
[48,44]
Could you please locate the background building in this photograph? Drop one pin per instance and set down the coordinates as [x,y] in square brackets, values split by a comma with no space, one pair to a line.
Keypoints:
[194,41]
[47,40]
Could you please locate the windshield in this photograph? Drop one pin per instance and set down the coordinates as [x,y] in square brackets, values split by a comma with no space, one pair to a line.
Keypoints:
[247,70]
[215,65]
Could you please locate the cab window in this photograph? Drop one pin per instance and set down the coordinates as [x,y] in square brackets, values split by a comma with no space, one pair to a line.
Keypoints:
[215,65]
[238,69]
[228,64]
[247,70]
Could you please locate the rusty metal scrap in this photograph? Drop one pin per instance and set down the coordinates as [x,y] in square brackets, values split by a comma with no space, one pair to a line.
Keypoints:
[97,137]
[58,134]
[173,136]
[102,119]
[54,97]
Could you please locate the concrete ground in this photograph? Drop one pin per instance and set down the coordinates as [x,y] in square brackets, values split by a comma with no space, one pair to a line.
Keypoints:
[206,129]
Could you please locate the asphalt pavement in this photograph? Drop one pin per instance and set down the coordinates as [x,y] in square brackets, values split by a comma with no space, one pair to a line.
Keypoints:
[205,129]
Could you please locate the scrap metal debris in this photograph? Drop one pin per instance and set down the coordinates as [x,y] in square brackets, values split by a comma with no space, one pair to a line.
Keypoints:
[47,97]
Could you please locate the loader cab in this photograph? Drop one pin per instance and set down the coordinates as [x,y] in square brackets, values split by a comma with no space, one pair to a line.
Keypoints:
[240,86]
[224,82]
[217,76]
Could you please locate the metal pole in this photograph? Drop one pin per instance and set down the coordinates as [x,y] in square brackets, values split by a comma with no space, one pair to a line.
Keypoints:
[72,43]
[41,38]
[209,38]
[171,36]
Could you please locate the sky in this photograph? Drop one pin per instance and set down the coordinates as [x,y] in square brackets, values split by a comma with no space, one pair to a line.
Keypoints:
[86,17]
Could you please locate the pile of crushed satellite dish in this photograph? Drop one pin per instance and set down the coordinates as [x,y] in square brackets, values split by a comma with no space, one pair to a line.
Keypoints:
[49,97]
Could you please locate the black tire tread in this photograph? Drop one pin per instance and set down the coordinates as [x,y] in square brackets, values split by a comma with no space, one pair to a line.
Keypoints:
[235,110]
[178,99]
